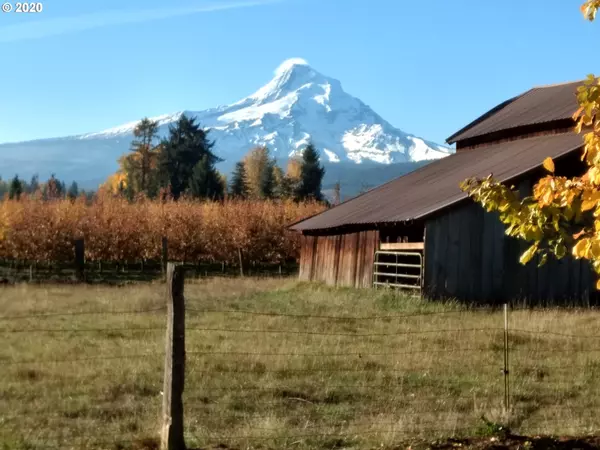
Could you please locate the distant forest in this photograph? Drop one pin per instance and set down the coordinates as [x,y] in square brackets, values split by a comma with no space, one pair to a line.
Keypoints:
[183,165]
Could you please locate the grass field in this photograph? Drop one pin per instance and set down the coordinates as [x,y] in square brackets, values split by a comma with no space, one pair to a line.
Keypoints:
[394,370]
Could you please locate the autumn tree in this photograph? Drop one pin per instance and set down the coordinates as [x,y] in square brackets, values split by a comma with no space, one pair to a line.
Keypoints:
[293,174]
[144,151]
[282,184]
[260,180]
[563,214]
[115,184]
[337,193]
[53,189]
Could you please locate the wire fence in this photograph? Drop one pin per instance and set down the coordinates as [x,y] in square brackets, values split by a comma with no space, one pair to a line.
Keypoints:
[119,272]
[273,379]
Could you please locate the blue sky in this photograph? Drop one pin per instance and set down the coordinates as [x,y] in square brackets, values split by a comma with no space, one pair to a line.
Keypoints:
[428,67]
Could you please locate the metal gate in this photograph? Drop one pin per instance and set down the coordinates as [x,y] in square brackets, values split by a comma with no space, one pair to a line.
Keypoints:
[398,269]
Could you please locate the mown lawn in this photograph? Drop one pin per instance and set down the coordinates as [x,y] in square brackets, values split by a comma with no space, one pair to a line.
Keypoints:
[321,368]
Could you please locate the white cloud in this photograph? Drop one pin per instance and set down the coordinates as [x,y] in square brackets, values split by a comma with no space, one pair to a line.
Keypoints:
[41,28]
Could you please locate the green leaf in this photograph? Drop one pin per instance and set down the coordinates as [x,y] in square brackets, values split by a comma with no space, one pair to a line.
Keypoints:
[560,250]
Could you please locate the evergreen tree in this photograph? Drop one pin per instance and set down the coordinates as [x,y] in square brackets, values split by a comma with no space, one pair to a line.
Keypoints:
[180,153]
[4,188]
[62,189]
[34,184]
[205,181]
[73,191]
[311,175]
[267,180]
[238,187]
[16,188]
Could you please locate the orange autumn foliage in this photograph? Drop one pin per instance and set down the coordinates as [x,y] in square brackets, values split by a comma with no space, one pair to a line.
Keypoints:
[116,230]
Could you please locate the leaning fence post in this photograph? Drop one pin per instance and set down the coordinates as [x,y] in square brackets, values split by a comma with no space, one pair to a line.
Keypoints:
[172,426]
[80,259]
[506,371]
[164,255]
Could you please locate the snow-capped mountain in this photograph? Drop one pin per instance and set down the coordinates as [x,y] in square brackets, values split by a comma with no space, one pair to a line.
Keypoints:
[297,106]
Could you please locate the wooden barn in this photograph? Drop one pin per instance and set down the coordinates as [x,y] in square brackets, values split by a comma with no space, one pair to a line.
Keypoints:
[421,232]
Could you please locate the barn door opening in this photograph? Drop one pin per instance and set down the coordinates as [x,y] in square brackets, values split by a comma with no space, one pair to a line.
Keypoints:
[398,269]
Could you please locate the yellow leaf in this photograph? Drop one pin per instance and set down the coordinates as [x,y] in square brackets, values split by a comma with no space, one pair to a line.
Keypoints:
[589,200]
[529,253]
[594,175]
[549,165]
[598,284]
[580,249]
[577,113]
[595,249]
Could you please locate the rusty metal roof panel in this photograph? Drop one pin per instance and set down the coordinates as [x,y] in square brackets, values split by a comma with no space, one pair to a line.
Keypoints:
[436,185]
[536,106]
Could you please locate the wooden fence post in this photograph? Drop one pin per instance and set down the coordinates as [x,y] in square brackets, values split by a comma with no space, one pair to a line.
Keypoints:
[165,254]
[241,262]
[172,426]
[80,259]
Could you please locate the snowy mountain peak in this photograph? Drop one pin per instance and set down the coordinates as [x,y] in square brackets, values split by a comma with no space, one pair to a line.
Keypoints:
[290,76]
[297,106]
[289,65]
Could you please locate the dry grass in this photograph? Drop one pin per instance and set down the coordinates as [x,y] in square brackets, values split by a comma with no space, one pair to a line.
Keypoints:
[369,383]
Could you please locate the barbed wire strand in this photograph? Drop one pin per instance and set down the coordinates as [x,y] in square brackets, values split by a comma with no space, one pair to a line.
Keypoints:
[334,317]
[81,313]
[261,371]
[552,333]
[73,360]
[80,330]
[324,333]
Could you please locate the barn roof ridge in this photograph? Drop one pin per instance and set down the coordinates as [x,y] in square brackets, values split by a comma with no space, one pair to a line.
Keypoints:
[435,186]
[538,105]
[551,85]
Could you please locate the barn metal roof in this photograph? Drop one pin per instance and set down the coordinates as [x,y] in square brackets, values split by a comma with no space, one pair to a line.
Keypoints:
[436,185]
[536,106]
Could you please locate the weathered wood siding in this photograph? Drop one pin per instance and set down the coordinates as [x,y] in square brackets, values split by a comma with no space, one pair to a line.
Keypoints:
[469,257]
[339,260]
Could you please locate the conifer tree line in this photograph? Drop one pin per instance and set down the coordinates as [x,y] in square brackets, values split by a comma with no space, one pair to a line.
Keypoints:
[52,189]
[183,164]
